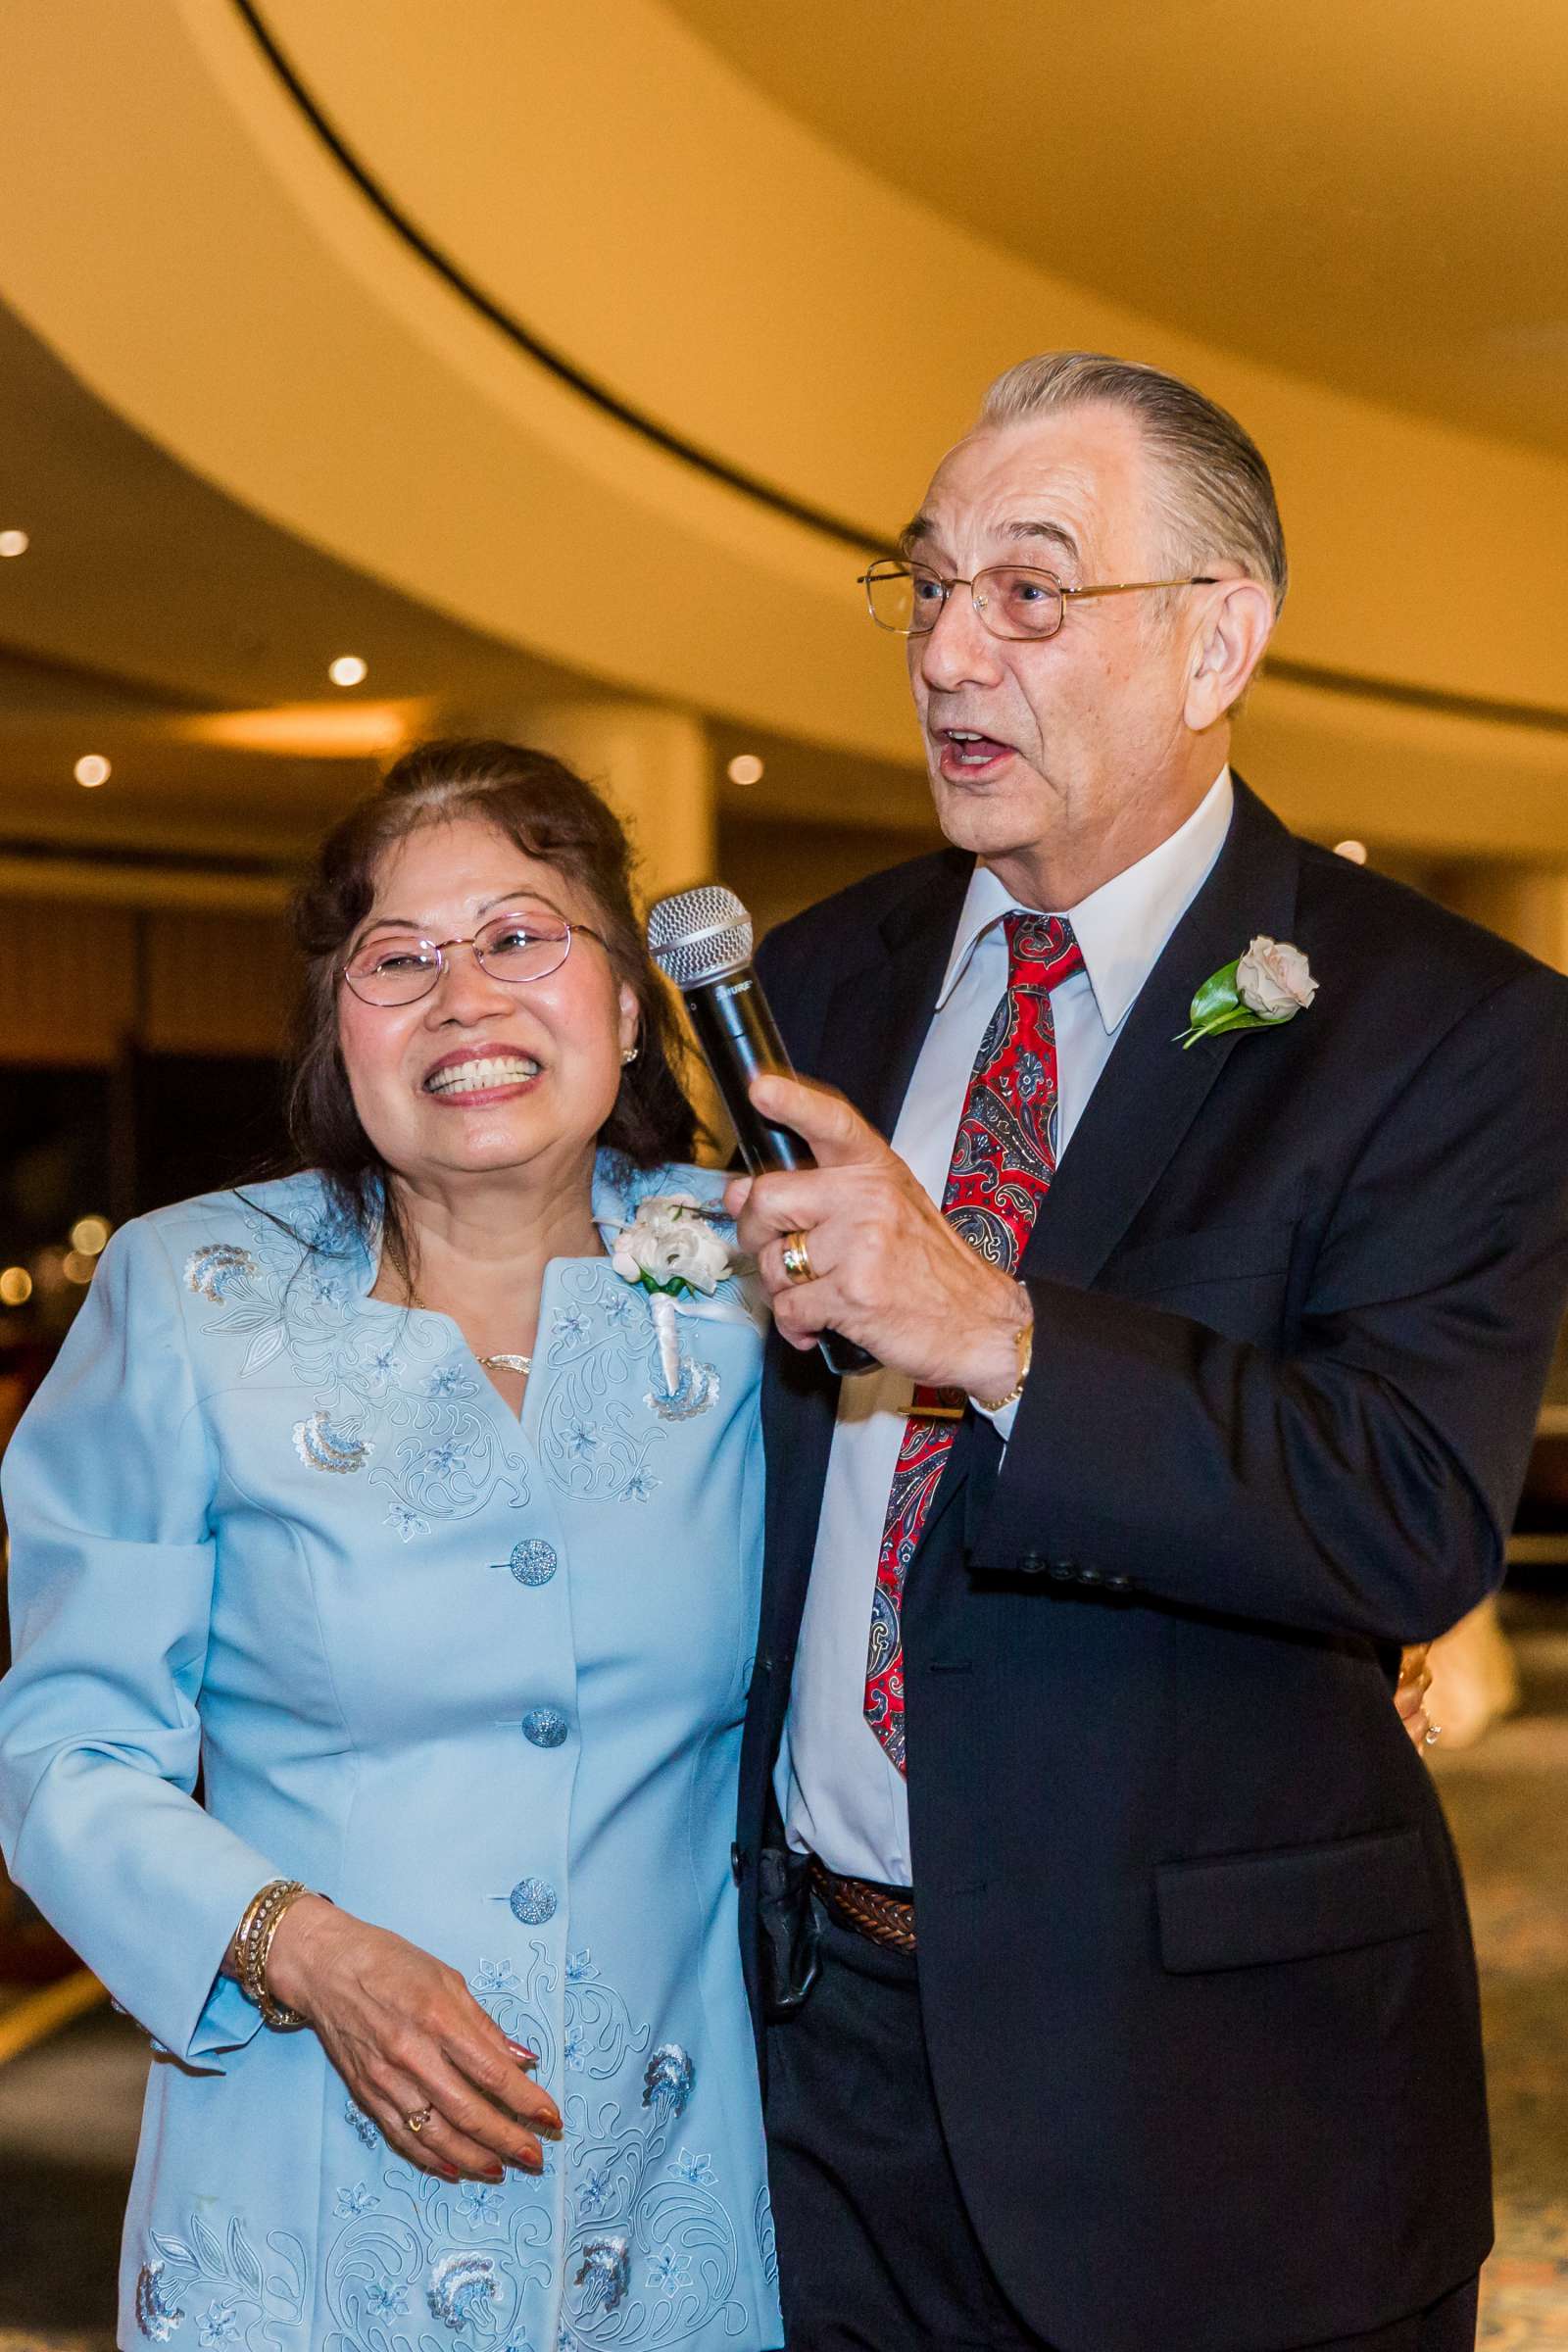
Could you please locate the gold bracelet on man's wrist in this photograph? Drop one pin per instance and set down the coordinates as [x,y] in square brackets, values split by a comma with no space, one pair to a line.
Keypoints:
[253,1945]
[1024,1342]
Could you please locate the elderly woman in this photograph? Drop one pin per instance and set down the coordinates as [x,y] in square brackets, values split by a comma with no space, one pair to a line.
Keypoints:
[389,1499]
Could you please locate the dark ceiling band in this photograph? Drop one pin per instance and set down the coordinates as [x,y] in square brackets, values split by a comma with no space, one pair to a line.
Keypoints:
[1539,715]
[850,534]
[858,536]
[129,857]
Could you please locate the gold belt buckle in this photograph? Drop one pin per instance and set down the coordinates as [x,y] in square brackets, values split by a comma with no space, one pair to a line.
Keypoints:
[945,1405]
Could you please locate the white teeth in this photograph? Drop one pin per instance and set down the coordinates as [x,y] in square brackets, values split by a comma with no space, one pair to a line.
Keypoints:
[962,735]
[473,1077]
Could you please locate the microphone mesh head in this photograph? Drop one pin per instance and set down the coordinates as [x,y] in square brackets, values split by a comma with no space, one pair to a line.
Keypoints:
[699,935]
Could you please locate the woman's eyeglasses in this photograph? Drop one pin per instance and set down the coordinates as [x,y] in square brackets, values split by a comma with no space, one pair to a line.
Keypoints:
[398,968]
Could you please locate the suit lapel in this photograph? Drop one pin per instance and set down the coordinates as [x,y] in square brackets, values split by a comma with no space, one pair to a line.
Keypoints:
[878,1016]
[1151,1091]
[876,1025]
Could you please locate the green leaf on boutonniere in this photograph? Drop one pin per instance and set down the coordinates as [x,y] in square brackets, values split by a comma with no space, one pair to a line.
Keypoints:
[1275,984]
[1216,998]
[676,1287]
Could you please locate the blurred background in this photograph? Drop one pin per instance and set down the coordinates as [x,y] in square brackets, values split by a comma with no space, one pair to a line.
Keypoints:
[373,369]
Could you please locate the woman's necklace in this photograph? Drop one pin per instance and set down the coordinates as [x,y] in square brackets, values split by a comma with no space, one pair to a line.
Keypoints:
[507,1361]
[521,1364]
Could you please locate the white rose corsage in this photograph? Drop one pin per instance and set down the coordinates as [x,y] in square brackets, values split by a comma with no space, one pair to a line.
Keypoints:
[671,1249]
[1270,983]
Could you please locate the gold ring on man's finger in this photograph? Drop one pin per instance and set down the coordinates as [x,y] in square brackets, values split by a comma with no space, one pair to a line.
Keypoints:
[418,2119]
[797,1258]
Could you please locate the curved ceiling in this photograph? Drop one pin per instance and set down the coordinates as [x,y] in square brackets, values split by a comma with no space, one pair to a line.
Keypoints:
[730,272]
[632,189]
[159,623]
[1374,197]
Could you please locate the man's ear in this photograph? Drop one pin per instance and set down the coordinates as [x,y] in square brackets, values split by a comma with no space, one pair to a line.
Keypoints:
[1238,621]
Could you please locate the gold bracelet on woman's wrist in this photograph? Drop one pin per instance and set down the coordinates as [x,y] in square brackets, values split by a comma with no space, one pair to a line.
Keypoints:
[253,1944]
[1024,1342]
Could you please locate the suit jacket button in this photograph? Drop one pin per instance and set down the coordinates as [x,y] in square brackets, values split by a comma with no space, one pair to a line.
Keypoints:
[1118,1584]
[1031,1564]
[1090,1576]
[1060,1572]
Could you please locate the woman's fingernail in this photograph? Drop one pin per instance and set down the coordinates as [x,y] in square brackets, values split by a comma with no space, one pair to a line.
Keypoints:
[522,2054]
[497,2175]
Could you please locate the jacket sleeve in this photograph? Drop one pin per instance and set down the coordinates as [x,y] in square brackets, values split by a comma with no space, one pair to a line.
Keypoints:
[1366,1483]
[107,1485]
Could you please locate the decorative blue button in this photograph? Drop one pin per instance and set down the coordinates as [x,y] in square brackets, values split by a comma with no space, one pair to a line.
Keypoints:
[534,1561]
[532,1902]
[546,1727]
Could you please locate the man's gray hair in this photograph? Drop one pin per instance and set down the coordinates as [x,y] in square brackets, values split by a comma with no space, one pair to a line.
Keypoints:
[1221,504]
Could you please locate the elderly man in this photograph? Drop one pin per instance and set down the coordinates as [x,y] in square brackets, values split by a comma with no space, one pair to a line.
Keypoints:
[1121,1984]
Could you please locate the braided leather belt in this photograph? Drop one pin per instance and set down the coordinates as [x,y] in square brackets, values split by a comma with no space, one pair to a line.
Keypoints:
[866,1908]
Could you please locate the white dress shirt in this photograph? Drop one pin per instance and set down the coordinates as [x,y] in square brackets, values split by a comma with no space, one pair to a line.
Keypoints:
[841,1797]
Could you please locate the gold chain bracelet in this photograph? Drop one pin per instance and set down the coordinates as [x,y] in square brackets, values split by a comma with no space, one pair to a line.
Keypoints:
[1024,1342]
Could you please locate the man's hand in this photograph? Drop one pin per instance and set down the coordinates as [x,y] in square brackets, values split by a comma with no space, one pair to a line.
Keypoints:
[889,1271]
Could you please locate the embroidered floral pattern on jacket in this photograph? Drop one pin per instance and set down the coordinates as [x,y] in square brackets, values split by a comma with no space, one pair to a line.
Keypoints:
[409,1399]
[590,1440]
[247,2295]
[649,2256]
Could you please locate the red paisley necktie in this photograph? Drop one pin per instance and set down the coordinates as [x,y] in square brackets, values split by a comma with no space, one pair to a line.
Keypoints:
[1004,1159]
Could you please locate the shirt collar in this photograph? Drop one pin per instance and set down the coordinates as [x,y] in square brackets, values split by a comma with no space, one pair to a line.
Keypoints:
[1122,927]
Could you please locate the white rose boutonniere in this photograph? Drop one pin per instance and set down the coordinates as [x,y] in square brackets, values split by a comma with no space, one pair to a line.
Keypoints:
[671,1246]
[671,1250]
[1271,982]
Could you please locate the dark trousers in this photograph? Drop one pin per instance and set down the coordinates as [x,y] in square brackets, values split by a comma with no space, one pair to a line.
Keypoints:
[875,2250]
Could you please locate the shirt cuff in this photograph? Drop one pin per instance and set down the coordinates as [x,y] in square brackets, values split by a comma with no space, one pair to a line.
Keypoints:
[1002,1420]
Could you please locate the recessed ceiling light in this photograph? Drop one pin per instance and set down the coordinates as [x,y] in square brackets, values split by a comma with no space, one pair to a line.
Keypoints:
[91,771]
[90,1235]
[1355,851]
[12,543]
[745,768]
[16,1286]
[349,670]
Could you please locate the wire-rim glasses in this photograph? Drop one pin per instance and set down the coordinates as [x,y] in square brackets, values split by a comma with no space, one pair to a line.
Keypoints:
[1013,601]
[399,968]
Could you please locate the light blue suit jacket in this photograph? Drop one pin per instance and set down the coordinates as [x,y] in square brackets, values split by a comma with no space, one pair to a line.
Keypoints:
[482,1682]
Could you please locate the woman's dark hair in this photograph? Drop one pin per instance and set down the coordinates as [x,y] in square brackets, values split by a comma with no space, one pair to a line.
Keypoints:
[552,816]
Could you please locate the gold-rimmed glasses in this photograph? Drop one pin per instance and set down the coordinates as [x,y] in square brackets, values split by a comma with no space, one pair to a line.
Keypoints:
[399,968]
[1013,600]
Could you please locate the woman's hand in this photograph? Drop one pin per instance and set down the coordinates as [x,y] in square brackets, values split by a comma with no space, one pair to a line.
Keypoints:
[1411,1696]
[404,2034]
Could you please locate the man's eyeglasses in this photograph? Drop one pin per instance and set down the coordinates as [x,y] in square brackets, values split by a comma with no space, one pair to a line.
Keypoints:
[1013,600]
[398,968]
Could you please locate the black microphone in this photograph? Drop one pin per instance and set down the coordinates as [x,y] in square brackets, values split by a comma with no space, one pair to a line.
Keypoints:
[702,939]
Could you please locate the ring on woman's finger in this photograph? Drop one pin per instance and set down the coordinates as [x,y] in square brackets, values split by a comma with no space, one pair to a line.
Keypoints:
[797,1258]
[416,2122]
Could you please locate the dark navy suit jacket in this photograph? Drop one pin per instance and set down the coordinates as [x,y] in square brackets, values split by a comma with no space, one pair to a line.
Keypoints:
[1195,1960]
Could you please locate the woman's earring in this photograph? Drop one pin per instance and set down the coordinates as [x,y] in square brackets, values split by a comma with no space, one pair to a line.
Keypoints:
[630,1054]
